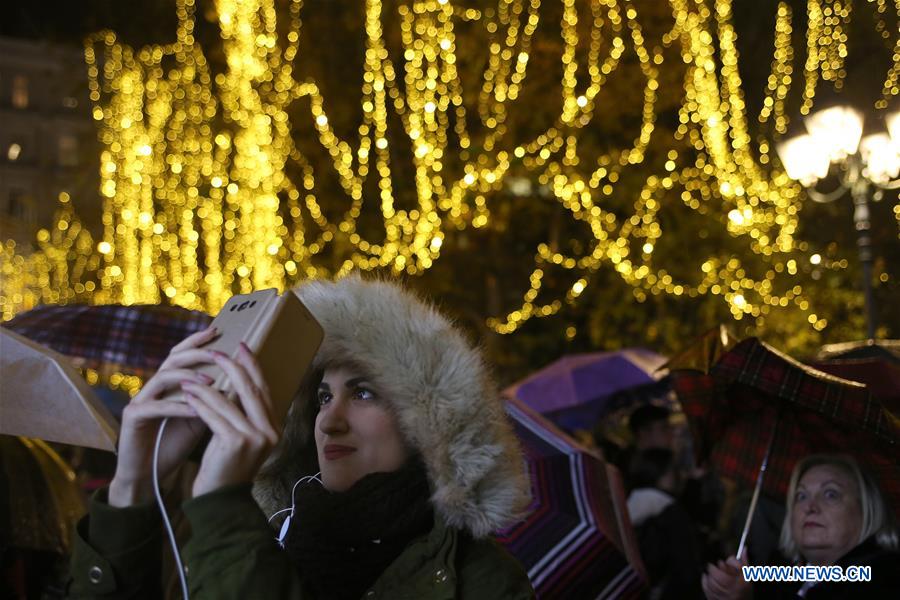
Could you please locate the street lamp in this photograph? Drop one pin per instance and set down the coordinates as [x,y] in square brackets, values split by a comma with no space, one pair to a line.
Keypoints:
[867,165]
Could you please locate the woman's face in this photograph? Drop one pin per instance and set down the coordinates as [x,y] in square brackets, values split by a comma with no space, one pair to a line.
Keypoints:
[355,432]
[827,516]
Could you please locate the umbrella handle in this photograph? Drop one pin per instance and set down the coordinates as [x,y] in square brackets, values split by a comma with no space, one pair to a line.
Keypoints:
[741,546]
[756,490]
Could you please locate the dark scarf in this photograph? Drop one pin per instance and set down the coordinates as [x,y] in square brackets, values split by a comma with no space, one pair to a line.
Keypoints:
[341,542]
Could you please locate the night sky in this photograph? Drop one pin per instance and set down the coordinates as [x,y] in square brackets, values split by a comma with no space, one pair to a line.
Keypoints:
[68,22]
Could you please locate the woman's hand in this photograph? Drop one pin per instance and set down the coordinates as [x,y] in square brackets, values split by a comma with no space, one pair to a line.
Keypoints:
[725,581]
[132,482]
[242,439]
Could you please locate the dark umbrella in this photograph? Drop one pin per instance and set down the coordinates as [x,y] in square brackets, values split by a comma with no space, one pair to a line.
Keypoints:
[110,338]
[575,391]
[754,398]
[576,539]
[41,501]
[888,350]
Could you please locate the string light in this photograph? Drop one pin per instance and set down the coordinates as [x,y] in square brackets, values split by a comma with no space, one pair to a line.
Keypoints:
[891,87]
[779,80]
[207,193]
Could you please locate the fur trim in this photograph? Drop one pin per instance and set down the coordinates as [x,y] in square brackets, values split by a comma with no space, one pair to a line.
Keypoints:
[446,404]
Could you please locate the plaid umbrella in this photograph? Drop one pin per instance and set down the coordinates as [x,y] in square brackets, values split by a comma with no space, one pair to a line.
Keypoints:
[576,540]
[576,390]
[752,389]
[703,351]
[110,338]
[880,376]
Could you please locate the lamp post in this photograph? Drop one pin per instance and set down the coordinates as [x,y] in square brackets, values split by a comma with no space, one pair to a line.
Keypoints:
[867,165]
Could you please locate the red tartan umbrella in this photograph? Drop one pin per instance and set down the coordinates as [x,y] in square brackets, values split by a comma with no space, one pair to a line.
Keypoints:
[752,389]
[880,376]
[875,363]
[110,338]
[576,540]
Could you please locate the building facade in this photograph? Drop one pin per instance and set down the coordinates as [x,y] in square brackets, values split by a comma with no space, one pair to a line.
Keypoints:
[48,141]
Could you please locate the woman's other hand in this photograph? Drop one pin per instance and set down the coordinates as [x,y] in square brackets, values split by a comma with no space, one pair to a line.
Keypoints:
[132,482]
[725,581]
[243,435]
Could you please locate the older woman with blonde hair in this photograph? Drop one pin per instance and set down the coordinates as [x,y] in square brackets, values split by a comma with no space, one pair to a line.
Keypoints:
[836,516]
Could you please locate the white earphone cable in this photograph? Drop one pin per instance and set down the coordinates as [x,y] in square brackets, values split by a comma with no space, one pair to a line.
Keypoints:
[168,525]
[162,509]
[287,522]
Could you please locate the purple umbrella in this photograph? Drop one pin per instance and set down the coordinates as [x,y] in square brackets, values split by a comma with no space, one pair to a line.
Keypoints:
[575,391]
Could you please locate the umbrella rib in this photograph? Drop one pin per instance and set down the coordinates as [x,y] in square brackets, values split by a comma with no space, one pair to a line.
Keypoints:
[544,567]
[615,587]
[560,552]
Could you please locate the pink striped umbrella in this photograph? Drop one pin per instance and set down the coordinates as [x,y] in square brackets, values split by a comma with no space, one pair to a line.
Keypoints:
[576,540]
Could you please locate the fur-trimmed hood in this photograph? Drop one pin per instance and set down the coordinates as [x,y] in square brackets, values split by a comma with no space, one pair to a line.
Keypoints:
[437,385]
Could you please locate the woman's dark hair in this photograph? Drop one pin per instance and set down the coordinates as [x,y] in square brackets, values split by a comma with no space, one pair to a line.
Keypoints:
[649,466]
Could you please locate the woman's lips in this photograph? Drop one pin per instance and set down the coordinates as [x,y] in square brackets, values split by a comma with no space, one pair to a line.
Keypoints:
[335,452]
[808,524]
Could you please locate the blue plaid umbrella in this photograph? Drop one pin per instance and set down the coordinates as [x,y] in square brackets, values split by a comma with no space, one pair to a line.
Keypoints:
[110,338]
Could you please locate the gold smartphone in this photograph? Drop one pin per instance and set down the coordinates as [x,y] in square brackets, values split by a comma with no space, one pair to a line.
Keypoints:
[282,334]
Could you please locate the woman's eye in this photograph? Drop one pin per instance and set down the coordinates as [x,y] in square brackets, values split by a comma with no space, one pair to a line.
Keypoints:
[799,497]
[323,398]
[832,494]
[364,394]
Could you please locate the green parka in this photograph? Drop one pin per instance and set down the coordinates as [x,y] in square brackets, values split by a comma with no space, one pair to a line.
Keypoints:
[233,554]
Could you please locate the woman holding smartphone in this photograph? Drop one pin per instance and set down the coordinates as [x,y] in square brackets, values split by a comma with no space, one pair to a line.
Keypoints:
[398,419]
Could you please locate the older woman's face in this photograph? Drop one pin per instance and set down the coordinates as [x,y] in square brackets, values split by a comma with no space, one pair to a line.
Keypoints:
[355,432]
[827,516]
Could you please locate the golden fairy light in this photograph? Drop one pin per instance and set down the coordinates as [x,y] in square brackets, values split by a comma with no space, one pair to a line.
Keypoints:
[200,202]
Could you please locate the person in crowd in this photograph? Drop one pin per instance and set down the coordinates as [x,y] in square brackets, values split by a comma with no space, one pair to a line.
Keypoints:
[651,427]
[667,538]
[836,515]
[399,420]
[701,492]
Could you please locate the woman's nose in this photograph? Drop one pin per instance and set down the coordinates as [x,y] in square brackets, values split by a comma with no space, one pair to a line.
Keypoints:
[334,419]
